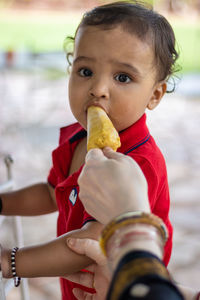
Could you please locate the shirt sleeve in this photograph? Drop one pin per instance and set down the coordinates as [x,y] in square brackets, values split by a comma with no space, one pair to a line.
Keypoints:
[52,178]
[87,218]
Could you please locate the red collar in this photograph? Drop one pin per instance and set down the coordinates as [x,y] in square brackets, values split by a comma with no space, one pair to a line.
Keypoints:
[134,136]
[131,137]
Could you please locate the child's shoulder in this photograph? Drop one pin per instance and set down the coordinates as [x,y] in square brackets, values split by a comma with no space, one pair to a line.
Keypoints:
[150,153]
[151,160]
[69,131]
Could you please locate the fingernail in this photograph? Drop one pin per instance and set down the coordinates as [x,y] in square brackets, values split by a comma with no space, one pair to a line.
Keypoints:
[107,148]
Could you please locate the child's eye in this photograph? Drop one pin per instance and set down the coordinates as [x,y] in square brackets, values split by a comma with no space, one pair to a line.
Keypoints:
[84,72]
[123,78]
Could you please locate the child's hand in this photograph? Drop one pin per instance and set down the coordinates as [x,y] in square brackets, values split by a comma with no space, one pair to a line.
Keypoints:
[112,183]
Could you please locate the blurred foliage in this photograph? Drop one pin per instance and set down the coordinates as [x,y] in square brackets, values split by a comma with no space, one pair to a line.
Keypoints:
[53,74]
[6,3]
[171,5]
[45,32]
[188,40]
[36,33]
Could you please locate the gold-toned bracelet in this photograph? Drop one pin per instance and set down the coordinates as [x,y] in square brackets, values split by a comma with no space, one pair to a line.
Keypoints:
[132,218]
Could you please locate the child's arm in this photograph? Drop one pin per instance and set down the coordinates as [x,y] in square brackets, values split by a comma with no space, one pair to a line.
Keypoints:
[34,200]
[53,258]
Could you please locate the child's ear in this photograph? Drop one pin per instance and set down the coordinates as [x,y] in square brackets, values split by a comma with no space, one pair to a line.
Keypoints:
[158,92]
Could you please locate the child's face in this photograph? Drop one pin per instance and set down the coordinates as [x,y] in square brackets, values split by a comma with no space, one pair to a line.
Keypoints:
[113,69]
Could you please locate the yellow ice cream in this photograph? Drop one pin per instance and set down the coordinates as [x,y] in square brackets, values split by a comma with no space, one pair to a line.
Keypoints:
[100,130]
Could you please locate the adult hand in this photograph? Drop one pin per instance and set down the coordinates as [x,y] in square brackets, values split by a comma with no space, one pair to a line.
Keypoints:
[112,183]
[100,276]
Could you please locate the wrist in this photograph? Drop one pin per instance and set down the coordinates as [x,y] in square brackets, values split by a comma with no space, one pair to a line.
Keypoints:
[133,238]
[6,263]
[133,231]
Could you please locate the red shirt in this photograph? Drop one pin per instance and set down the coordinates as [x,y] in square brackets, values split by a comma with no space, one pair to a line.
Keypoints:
[136,142]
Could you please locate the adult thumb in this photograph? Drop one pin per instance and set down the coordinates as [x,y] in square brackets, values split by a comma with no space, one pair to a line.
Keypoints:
[111,154]
[94,154]
[87,247]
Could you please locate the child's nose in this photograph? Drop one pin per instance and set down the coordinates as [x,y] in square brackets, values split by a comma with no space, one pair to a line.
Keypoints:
[99,89]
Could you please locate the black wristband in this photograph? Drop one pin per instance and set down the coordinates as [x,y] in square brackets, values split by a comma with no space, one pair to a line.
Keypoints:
[136,267]
[1,206]
[132,255]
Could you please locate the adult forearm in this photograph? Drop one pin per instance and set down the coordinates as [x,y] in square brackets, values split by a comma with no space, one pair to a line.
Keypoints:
[140,239]
[131,232]
[29,201]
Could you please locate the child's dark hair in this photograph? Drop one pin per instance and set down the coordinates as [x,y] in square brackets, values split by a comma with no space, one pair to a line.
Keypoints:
[140,19]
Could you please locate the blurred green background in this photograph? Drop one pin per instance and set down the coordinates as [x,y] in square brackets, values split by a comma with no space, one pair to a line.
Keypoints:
[35,33]
[38,29]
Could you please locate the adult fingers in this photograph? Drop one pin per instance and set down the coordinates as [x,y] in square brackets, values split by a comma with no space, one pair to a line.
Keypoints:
[110,153]
[83,278]
[81,295]
[87,247]
[94,154]
[91,268]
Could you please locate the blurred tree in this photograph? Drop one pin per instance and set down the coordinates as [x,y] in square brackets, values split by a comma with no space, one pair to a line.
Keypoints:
[197,5]
[169,5]
[175,5]
[6,3]
[150,2]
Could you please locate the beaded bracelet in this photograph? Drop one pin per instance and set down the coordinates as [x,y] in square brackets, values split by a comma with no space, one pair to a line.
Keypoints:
[132,218]
[13,267]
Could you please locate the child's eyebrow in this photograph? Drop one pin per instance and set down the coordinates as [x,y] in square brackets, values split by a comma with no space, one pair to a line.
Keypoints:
[129,66]
[121,64]
[82,58]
